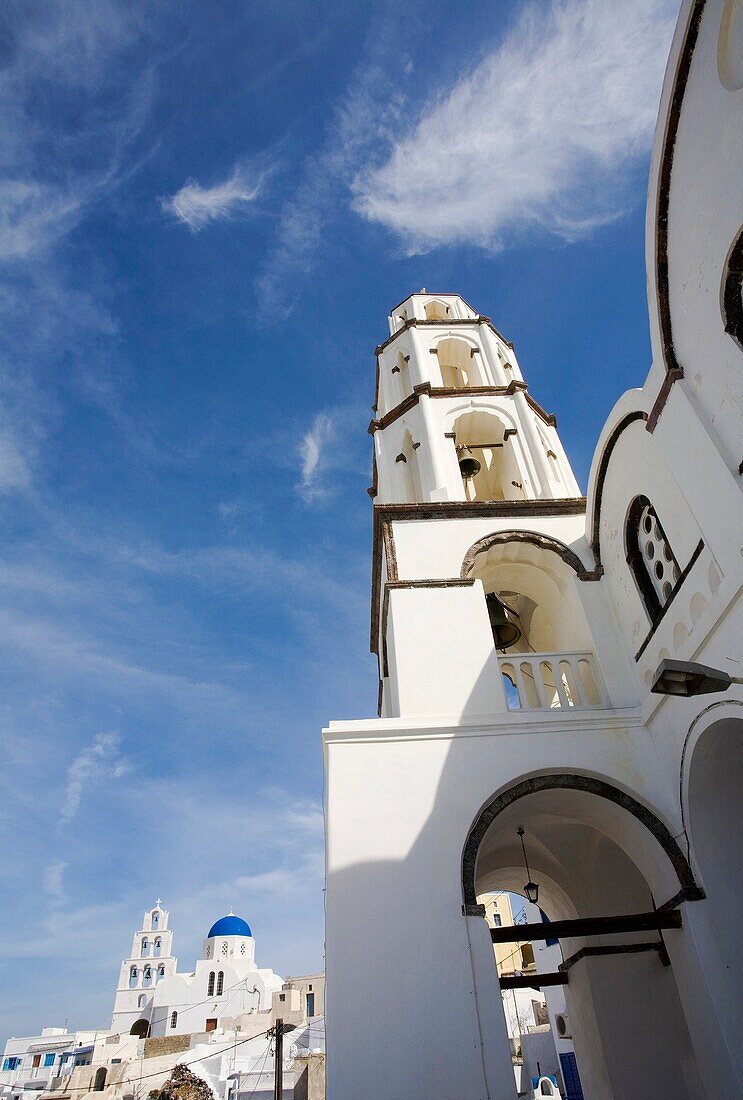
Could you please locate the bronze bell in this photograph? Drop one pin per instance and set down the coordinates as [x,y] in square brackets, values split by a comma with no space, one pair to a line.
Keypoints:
[468,464]
[506,632]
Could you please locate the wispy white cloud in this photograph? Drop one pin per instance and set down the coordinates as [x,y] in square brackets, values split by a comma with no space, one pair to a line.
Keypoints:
[101,760]
[33,214]
[312,453]
[365,114]
[15,459]
[51,880]
[55,165]
[542,133]
[306,816]
[47,180]
[197,206]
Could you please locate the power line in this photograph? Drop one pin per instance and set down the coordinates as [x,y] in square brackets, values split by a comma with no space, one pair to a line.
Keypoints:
[261,1070]
[190,1004]
[159,1073]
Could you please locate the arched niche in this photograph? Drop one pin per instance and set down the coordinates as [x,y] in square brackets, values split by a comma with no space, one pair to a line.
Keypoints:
[406,463]
[459,363]
[141,1028]
[490,439]
[400,379]
[436,310]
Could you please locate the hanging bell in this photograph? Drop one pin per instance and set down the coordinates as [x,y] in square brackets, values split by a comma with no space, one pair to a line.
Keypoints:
[506,632]
[468,464]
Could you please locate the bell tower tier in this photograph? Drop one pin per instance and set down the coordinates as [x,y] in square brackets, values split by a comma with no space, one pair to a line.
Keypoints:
[479,549]
[454,419]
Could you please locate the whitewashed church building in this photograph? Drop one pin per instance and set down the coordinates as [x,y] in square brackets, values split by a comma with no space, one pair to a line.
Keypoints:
[154,999]
[530,737]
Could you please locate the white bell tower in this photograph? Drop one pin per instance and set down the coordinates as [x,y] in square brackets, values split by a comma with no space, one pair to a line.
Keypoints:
[459,443]
[151,961]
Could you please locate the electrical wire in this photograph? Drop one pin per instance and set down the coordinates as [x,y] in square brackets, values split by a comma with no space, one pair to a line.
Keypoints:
[194,1004]
[261,1070]
[159,1073]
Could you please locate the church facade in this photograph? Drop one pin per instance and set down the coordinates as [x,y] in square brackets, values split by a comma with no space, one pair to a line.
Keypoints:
[154,999]
[532,736]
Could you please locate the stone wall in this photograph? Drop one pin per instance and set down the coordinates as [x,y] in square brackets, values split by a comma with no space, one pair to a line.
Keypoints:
[166,1044]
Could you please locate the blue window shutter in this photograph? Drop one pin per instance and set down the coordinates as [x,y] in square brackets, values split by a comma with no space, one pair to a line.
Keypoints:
[570,1078]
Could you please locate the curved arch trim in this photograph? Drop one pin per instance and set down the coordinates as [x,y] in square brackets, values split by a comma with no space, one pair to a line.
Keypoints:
[544,542]
[571,781]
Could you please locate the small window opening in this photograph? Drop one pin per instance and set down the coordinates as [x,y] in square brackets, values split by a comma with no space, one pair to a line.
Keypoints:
[436,311]
[650,557]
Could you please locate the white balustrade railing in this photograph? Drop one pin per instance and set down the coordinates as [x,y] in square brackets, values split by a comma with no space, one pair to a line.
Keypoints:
[551,681]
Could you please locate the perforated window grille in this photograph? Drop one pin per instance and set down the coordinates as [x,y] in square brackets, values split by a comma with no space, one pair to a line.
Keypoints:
[650,557]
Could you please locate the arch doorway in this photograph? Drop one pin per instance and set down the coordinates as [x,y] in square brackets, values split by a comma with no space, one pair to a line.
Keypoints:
[596,853]
[99,1082]
[141,1028]
[715,820]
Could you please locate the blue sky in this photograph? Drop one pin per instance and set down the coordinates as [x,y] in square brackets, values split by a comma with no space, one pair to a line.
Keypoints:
[206,212]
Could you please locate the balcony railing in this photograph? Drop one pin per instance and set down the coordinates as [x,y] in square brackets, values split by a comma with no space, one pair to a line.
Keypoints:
[551,681]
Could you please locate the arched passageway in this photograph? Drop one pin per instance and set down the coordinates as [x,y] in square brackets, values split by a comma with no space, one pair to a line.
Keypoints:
[715,822]
[595,852]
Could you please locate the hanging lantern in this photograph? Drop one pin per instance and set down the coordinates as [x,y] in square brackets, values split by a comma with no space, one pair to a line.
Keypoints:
[469,466]
[532,892]
[506,631]
[531,889]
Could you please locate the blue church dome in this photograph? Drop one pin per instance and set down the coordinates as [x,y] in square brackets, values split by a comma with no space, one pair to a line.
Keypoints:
[230,926]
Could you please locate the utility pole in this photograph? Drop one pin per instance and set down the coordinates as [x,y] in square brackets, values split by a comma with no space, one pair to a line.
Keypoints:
[278,1076]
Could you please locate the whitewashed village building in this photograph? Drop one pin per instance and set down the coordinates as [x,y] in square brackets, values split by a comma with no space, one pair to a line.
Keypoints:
[154,999]
[216,1019]
[519,627]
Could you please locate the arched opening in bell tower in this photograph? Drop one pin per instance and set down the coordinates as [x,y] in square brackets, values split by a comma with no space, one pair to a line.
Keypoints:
[458,363]
[591,857]
[436,310]
[407,463]
[539,626]
[486,438]
[401,379]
